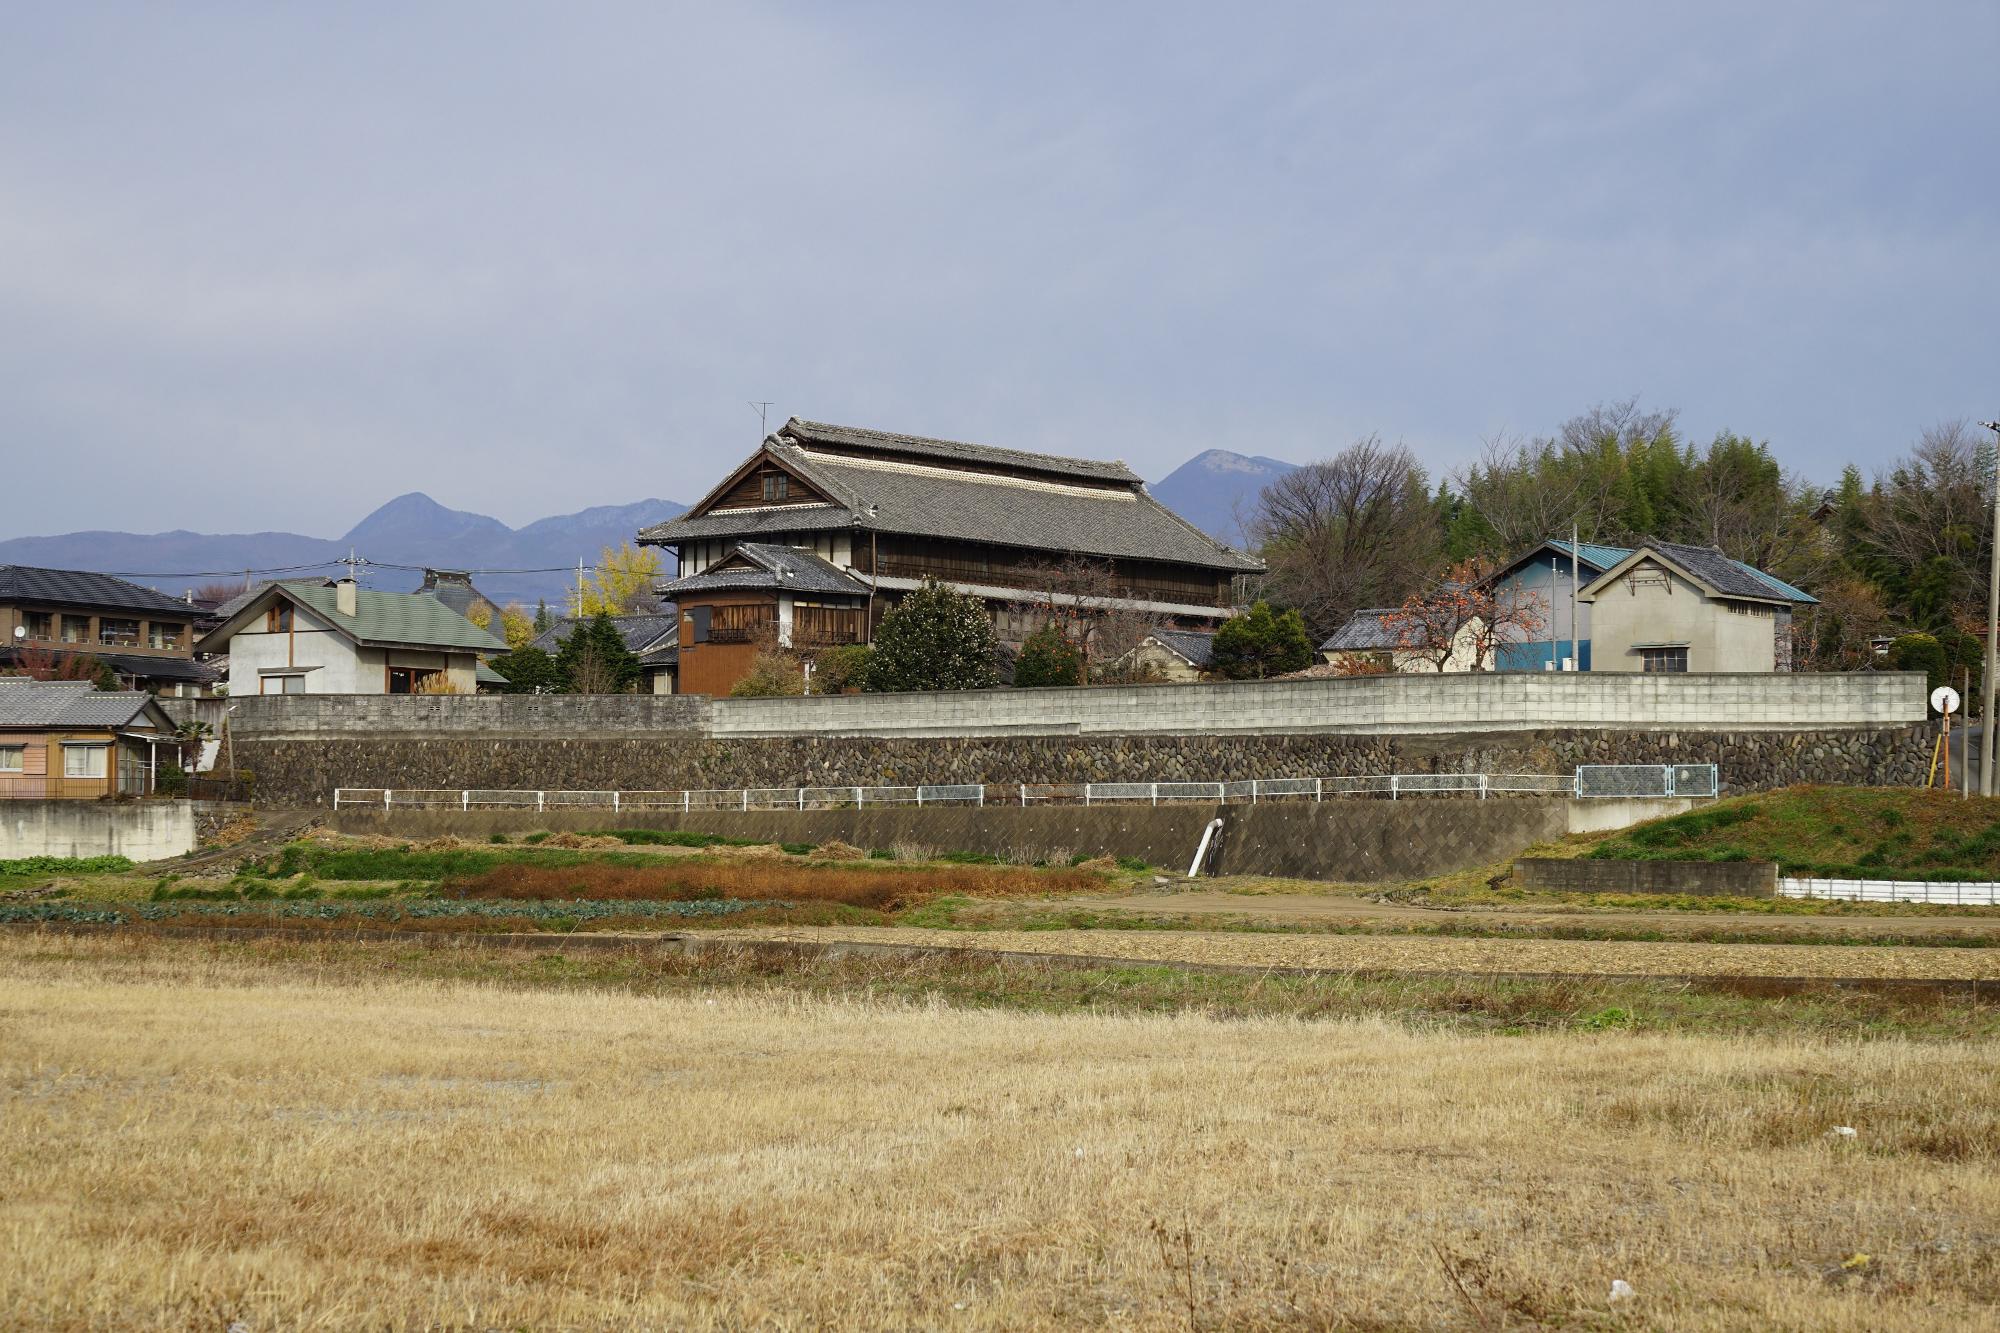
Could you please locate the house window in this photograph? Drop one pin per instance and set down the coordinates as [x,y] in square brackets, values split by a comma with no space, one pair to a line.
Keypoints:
[163,636]
[1665,659]
[776,485]
[411,680]
[282,684]
[118,633]
[41,625]
[84,761]
[278,620]
[13,758]
[76,629]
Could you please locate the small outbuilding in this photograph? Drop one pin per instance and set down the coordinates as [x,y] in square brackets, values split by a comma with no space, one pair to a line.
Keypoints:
[1668,607]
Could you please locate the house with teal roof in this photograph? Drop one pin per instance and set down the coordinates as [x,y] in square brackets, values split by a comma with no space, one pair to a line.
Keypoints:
[1546,576]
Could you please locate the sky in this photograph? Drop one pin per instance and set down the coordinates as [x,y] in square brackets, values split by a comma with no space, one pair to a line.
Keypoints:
[263,266]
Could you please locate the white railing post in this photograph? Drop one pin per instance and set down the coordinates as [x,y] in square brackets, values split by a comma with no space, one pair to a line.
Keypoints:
[982,796]
[465,800]
[614,802]
[1253,791]
[802,798]
[541,799]
[1156,793]
[1395,785]
[746,798]
[1316,790]
[1667,778]
[1086,793]
[386,793]
[920,796]
[1482,786]
[687,800]
[1024,794]
[857,798]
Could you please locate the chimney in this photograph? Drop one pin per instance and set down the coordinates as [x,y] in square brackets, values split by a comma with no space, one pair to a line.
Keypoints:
[344,599]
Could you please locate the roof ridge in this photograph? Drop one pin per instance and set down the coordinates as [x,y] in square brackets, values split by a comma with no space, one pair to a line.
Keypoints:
[1113,469]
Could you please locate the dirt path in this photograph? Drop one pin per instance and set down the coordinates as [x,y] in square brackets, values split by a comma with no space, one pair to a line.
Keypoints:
[1342,909]
[1428,953]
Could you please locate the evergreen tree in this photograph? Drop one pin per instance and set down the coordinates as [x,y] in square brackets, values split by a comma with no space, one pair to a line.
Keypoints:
[595,660]
[528,670]
[1262,643]
[1049,657]
[936,639]
[542,620]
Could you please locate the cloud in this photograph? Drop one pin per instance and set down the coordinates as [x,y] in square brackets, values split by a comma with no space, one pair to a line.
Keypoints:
[277,265]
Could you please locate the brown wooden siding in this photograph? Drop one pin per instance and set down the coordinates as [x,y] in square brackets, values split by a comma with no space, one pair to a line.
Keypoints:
[749,489]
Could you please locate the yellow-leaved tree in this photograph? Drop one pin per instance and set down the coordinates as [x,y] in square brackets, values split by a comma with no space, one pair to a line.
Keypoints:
[622,583]
[517,627]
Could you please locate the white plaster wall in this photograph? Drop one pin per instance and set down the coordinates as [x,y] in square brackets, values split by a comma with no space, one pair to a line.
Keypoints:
[1665,608]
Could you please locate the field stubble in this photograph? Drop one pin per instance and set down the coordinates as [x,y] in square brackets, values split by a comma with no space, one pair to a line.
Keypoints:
[193,1140]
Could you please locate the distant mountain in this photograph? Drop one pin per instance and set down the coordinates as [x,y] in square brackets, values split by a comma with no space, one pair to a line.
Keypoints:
[411,529]
[1217,491]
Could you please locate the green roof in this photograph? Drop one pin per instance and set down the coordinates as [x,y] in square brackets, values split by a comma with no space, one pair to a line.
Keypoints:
[401,618]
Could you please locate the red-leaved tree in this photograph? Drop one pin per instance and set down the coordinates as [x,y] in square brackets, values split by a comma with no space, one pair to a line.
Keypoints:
[1466,611]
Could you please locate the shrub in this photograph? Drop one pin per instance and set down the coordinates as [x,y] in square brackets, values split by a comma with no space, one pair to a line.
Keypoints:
[935,639]
[1049,657]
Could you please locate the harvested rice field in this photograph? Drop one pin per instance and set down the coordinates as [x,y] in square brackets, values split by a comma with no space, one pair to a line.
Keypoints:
[1434,954]
[195,1139]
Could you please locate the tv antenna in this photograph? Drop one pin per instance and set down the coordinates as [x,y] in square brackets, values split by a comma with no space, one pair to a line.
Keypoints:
[762,407]
[353,562]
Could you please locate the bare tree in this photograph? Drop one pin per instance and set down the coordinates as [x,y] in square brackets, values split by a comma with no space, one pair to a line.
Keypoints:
[1465,611]
[1086,599]
[1931,512]
[1355,530]
[1524,491]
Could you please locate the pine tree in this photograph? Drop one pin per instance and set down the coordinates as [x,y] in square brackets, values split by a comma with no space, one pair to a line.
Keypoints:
[1262,643]
[528,670]
[542,620]
[937,639]
[595,660]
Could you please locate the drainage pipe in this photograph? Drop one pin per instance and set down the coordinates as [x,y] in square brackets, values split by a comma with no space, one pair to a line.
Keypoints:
[1194,866]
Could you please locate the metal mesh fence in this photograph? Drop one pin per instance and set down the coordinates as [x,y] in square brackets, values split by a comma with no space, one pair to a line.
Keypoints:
[1590,780]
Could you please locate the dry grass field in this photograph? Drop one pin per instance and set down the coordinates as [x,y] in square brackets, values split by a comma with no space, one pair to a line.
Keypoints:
[193,1139]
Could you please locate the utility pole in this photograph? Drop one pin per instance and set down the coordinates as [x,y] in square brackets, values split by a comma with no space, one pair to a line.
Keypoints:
[1575,565]
[1992,631]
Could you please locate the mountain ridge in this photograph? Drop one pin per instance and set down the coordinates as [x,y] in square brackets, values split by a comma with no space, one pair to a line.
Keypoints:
[1217,490]
[410,529]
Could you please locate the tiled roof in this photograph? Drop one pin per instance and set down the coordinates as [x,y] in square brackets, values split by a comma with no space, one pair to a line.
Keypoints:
[77,587]
[1197,646]
[1363,632]
[779,567]
[1729,578]
[131,664]
[397,618]
[1090,518]
[918,447]
[455,590]
[64,703]
[639,632]
[1699,560]
[242,599]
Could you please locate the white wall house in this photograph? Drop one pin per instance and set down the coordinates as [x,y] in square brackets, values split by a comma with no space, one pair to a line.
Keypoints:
[313,639]
[1670,608]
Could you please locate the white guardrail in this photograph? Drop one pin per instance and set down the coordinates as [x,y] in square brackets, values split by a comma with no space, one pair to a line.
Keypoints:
[1893,891]
[1623,780]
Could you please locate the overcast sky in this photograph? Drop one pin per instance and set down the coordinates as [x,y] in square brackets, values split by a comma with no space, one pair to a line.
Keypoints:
[264,266]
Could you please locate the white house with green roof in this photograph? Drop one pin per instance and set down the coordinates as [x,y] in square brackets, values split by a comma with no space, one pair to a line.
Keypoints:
[342,639]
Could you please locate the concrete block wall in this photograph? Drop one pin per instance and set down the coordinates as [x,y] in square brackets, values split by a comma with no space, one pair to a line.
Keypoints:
[1396,705]
[141,830]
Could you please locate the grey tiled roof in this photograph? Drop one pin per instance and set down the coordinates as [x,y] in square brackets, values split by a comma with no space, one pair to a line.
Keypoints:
[1731,578]
[779,567]
[138,665]
[454,589]
[920,448]
[64,703]
[1119,520]
[639,632]
[78,587]
[1363,632]
[1196,646]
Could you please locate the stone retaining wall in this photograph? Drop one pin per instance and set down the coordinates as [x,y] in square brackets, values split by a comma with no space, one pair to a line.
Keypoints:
[305,772]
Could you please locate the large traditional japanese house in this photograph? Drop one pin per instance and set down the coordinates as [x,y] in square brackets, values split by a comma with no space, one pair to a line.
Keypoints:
[810,539]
